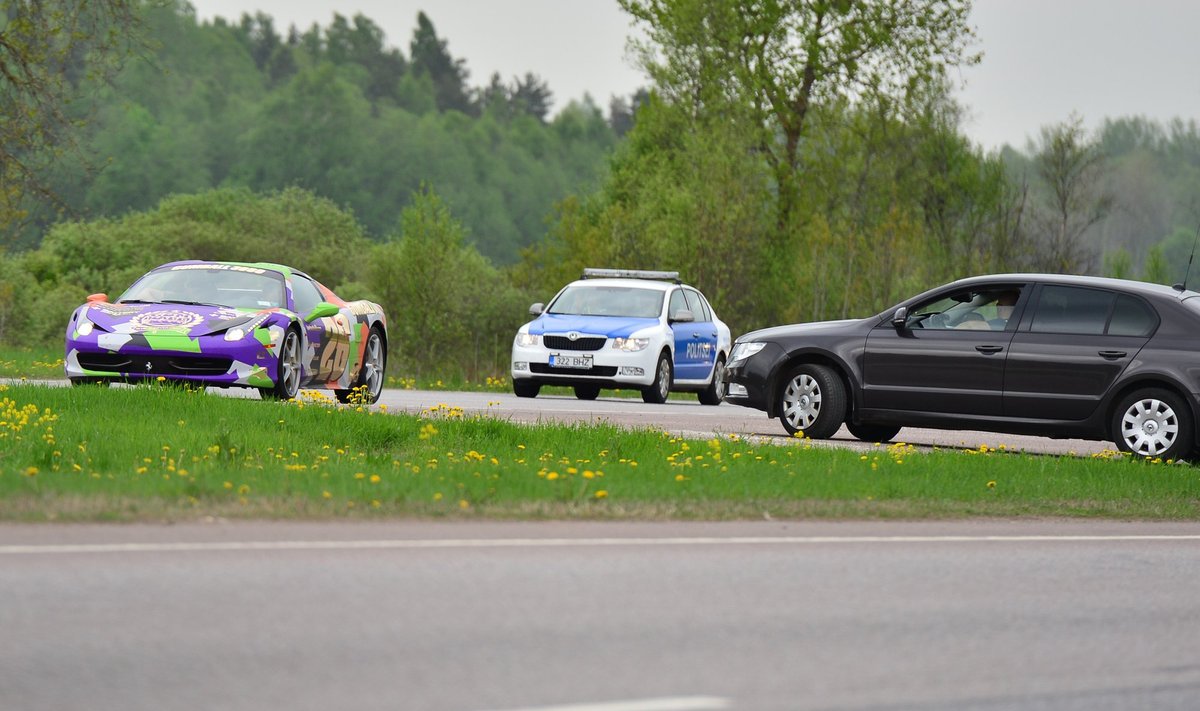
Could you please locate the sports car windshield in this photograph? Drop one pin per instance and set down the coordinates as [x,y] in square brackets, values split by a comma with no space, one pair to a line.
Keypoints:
[215,284]
[629,301]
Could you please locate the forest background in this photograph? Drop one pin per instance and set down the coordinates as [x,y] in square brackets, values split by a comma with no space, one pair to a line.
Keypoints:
[795,160]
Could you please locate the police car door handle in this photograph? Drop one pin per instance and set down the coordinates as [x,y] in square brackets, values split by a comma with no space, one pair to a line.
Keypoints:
[696,334]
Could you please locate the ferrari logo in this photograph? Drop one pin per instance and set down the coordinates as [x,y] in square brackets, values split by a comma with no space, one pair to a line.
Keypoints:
[147,366]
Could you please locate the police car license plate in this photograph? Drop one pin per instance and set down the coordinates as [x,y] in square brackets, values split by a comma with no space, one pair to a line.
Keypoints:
[583,362]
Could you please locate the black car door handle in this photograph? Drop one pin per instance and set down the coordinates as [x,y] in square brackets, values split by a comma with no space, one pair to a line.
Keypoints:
[1112,355]
[988,350]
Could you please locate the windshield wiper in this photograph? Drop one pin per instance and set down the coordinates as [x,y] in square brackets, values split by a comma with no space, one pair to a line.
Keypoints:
[188,303]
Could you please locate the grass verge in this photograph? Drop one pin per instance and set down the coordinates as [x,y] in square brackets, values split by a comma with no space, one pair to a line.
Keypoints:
[154,453]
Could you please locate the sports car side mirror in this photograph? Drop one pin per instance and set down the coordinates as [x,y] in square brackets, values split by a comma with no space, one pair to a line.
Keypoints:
[900,318]
[97,298]
[536,309]
[321,310]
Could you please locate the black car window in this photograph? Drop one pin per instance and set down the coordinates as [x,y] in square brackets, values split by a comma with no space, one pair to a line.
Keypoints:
[1131,317]
[305,295]
[1069,309]
[678,303]
[699,308]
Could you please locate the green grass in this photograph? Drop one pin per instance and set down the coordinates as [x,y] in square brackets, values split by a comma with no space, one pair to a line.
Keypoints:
[154,453]
[33,363]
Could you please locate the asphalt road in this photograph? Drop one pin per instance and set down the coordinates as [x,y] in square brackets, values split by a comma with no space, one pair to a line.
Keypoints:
[691,418]
[874,616]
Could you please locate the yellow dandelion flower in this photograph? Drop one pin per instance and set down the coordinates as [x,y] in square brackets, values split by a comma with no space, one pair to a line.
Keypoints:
[326,495]
[437,496]
[991,485]
[464,504]
[601,494]
[552,476]
[244,489]
[31,471]
[375,479]
[228,485]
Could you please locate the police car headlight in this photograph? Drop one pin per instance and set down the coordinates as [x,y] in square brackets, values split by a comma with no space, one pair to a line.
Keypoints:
[741,351]
[630,345]
[528,339]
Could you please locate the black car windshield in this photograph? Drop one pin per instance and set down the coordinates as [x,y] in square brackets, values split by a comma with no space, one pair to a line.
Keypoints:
[593,300]
[214,284]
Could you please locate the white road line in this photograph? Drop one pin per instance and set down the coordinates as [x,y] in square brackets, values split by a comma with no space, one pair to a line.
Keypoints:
[679,703]
[410,544]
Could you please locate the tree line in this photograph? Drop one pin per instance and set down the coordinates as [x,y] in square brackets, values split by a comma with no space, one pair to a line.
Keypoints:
[796,160]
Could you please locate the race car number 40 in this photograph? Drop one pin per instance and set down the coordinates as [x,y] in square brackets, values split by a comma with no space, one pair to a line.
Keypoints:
[570,361]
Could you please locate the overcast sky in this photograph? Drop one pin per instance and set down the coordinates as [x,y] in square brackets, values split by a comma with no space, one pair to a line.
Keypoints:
[1043,59]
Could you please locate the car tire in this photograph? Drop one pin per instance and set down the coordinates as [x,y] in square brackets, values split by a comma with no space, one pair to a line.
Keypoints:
[526,388]
[656,393]
[812,400]
[1153,423]
[287,376]
[715,392]
[872,433]
[587,392]
[369,383]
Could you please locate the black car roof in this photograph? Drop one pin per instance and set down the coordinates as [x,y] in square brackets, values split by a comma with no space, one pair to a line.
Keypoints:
[1128,285]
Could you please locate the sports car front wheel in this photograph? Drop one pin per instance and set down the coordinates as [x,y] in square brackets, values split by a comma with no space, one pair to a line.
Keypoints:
[287,376]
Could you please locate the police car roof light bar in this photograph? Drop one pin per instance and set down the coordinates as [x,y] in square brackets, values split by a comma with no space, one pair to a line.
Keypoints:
[591,273]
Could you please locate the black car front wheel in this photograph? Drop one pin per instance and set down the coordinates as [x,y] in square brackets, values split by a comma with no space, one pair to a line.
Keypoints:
[587,392]
[1153,423]
[812,400]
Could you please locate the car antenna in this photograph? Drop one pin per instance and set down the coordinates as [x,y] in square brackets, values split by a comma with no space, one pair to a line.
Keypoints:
[1182,287]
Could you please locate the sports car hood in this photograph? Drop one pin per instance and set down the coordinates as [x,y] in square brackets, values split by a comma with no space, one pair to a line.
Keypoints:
[184,319]
[803,329]
[609,326]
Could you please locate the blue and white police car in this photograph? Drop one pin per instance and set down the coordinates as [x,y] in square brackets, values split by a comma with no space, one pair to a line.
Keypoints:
[617,328]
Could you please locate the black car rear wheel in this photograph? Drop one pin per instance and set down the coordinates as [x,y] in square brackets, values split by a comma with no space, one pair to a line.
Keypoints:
[812,400]
[1153,423]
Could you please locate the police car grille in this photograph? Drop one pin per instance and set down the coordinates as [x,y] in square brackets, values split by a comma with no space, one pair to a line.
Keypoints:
[602,371]
[562,343]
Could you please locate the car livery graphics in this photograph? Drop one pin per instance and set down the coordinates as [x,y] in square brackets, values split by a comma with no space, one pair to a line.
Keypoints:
[226,324]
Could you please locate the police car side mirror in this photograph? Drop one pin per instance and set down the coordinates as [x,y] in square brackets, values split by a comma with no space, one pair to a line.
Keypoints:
[537,309]
[683,316]
[900,318]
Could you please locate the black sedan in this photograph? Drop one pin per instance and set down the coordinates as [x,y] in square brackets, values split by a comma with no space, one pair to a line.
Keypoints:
[1037,354]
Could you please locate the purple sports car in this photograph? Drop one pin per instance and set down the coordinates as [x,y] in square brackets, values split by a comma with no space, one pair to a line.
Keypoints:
[224,324]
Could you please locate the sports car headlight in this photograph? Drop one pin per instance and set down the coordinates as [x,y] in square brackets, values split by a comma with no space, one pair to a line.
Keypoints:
[83,326]
[235,334]
[630,345]
[741,351]
[528,339]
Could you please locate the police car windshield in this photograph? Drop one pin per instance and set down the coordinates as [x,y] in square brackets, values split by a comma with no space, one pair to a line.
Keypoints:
[628,301]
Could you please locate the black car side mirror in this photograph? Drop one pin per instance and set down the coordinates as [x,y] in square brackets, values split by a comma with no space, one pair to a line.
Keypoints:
[900,318]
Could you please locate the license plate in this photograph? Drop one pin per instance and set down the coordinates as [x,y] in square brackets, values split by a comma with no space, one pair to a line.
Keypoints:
[582,362]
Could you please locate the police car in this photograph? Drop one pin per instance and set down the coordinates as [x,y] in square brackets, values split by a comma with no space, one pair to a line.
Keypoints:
[618,328]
